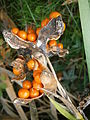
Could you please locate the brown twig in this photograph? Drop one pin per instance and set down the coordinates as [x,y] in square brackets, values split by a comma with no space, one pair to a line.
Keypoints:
[33,111]
[62,91]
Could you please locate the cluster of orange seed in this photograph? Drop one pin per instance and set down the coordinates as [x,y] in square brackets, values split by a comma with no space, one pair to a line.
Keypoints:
[32,89]
[31,34]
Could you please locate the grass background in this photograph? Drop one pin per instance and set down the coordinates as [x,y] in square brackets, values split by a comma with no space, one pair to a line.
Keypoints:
[73,66]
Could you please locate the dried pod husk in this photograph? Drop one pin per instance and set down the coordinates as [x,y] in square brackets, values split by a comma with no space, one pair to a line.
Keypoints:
[48,80]
[36,65]
[63,52]
[25,101]
[40,57]
[19,79]
[55,50]
[18,63]
[53,30]
[18,60]
[21,57]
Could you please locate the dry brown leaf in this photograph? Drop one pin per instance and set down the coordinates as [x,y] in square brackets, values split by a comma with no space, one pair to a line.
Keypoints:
[3,53]
[8,23]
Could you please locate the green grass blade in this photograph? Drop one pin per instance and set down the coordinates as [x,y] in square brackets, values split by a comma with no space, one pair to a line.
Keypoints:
[64,112]
[84,9]
[31,13]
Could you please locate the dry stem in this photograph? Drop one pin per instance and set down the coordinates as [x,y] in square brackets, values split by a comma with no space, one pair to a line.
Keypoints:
[65,98]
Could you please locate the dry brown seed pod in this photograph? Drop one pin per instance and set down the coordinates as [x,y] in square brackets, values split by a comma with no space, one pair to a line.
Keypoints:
[48,80]
[36,65]
[25,101]
[40,57]
[55,50]
[18,60]
[18,64]
[19,79]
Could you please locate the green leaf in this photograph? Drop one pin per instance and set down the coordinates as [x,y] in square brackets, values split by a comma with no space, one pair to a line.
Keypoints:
[31,13]
[84,8]
[1,41]
[0,93]
[7,55]
[3,77]
[2,86]
[62,110]
[38,9]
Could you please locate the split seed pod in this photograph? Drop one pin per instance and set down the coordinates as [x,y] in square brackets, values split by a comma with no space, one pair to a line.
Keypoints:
[18,64]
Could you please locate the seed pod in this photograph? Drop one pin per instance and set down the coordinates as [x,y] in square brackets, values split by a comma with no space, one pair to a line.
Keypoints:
[48,80]
[39,56]
[18,64]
